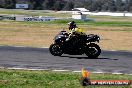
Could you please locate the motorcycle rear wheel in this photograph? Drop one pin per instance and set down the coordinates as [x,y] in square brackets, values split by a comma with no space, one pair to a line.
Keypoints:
[55,50]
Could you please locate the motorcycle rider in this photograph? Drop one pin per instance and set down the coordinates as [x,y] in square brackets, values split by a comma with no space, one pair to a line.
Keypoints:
[76,35]
[74,30]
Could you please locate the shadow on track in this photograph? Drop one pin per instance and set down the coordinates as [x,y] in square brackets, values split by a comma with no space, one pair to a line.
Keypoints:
[77,57]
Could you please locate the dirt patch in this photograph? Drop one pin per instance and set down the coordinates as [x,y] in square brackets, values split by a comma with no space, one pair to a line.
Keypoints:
[112,38]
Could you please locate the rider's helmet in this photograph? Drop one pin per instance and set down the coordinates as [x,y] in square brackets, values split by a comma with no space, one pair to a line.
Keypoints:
[71,25]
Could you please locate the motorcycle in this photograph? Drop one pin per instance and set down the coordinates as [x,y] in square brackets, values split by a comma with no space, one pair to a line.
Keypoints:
[75,46]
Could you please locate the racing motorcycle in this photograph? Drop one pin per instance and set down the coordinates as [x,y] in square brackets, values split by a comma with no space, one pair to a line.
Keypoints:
[75,46]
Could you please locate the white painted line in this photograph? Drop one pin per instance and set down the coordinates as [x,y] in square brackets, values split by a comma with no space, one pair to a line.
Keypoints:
[117,73]
[128,74]
[60,70]
[28,69]
[22,46]
[37,69]
[99,72]
[19,46]
[113,50]
[77,71]
[17,68]
[29,47]
[44,47]
[2,67]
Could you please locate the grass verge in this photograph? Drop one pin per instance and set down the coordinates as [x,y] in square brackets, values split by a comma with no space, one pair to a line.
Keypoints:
[48,79]
[88,22]
[33,13]
[39,34]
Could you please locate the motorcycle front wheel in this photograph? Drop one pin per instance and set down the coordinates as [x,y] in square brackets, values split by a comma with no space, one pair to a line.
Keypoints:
[92,50]
[55,50]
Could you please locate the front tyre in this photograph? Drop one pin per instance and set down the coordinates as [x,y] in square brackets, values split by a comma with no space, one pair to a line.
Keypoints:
[92,50]
[55,50]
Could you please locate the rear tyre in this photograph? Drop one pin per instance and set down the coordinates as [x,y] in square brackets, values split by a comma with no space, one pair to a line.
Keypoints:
[92,50]
[55,50]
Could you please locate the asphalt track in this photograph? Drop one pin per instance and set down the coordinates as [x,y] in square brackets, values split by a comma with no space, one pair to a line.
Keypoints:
[40,58]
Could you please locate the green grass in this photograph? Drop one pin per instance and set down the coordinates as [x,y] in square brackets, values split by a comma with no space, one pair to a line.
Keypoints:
[33,12]
[110,18]
[78,22]
[114,24]
[48,79]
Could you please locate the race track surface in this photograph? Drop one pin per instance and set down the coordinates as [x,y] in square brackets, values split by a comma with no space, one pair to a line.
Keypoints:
[40,58]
